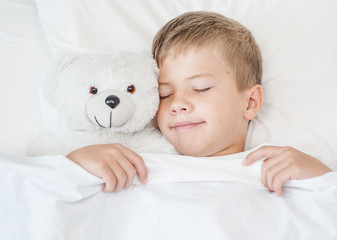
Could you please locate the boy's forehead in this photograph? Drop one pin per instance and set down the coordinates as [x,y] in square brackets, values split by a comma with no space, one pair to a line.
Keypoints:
[193,64]
[175,52]
[194,56]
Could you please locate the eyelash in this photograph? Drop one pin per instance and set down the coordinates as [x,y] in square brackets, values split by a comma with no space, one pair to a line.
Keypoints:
[201,90]
[195,90]
[165,96]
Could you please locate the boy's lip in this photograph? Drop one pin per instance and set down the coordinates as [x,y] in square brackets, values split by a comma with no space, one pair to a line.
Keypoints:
[183,125]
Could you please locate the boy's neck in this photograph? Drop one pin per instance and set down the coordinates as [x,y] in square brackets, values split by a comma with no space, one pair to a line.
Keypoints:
[236,148]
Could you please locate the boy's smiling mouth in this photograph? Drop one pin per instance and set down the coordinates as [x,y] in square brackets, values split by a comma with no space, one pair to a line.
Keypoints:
[184,125]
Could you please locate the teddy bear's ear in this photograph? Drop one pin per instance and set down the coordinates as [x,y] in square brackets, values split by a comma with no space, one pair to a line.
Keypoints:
[148,55]
[47,87]
[59,65]
[54,74]
[62,62]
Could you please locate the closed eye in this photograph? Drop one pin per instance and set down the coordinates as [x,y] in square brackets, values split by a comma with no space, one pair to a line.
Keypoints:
[163,97]
[202,90]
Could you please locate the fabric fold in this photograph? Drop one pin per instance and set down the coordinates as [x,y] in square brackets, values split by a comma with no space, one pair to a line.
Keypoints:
[51,197]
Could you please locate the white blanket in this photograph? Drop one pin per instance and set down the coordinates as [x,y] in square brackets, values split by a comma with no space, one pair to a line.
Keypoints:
[50,197]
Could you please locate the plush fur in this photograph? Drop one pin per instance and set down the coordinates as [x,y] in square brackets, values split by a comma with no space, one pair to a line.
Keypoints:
[103,98]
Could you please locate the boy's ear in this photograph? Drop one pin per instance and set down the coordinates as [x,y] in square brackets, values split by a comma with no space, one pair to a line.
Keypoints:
[254,101]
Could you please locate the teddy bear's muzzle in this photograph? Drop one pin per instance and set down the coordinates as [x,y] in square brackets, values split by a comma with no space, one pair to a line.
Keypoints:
[110,109]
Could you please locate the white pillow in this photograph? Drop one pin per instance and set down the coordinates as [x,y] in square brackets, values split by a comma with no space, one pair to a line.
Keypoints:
[297,40]
[24,54]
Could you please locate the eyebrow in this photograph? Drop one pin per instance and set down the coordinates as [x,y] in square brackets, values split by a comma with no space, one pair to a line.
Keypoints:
[199,75]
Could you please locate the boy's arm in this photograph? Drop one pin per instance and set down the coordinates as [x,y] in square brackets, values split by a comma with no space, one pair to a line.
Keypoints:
[285,163]
[116,164]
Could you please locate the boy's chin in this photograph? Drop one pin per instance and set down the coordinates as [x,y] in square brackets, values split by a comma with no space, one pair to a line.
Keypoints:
[188,151]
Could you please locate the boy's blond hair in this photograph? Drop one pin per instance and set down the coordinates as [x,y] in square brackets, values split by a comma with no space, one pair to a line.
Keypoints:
[229,38]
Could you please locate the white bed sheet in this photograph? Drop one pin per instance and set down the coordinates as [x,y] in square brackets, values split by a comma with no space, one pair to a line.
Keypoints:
[51,197]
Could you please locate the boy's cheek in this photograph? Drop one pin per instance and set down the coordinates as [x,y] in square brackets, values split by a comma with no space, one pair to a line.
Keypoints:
[162,111]
[155,122]
[160,120]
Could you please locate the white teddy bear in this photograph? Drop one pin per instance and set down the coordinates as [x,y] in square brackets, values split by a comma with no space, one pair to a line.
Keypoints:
[103,98]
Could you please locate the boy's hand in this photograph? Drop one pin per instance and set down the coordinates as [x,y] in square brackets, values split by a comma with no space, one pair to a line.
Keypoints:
[283,164]
[116,164]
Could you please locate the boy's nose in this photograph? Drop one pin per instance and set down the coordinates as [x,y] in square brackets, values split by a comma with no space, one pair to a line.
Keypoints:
[180,104]
[178,108]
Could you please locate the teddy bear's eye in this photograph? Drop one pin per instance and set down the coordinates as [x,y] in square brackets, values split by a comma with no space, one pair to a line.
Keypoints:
[131,89]
[93,90]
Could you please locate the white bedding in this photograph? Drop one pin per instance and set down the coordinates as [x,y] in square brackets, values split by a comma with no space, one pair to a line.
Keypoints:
[50,197]
[24,57]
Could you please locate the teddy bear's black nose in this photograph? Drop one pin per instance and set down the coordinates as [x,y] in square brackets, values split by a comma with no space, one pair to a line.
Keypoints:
[112,101]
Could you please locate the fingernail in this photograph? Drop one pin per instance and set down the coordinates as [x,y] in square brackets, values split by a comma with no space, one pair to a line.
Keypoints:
[245,161]
[145,180]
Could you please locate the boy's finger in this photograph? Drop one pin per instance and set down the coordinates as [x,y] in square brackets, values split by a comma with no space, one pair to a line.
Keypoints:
[130,171]
[120,176]
[137,161]
[270,167]
[280,179]
[109,179]
[262,152]
[271,174]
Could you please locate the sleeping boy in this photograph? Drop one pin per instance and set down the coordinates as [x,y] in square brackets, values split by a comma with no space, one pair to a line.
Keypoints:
[210,88]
